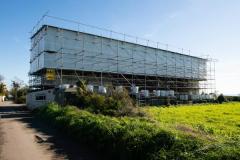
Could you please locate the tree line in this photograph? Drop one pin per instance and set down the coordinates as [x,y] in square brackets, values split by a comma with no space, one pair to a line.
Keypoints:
[17,92]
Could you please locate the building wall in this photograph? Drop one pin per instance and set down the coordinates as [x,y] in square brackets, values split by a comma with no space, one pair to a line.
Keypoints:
[33,101]
[59,48]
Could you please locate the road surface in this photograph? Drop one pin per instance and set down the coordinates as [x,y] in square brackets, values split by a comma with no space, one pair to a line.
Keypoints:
[22,137]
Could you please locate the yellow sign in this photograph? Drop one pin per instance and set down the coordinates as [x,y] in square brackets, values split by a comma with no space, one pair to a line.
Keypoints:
[50,74]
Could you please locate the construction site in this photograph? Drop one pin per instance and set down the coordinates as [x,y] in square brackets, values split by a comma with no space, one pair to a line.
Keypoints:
[65,51]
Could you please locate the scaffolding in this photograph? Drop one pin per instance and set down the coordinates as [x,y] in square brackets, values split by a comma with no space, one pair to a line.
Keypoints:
[104,57]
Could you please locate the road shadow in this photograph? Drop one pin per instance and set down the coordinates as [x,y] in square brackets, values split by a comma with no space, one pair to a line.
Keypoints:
[57,141]
[12,111]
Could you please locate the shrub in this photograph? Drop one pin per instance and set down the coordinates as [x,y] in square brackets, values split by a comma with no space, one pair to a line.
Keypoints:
[232,98]
[221,98]
[157,137]
[120,138]
[21,99]
[115,103]
[19,94]
[2,89]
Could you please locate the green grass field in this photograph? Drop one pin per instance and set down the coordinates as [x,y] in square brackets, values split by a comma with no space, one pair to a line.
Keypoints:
[207,131]
[217,126]
[213,121]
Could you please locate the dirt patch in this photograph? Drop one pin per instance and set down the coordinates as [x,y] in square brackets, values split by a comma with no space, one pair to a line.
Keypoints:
[194,133]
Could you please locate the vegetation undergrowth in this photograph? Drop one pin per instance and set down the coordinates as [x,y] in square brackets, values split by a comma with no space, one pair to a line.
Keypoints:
[116,102]
[208,131]
[120,137]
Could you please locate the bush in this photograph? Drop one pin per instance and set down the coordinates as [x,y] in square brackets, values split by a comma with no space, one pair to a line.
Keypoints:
[21,100]
[157,138]
[115,103]
[3,90]
[19,94]
[221,98]
[120,138]
[233,98]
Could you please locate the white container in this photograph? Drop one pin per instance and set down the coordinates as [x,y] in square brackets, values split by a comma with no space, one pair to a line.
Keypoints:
[157,93]
[208,96]
[171,93]
[134,89]
[204,96]
[211,96]
[64,86]
[198,96]
[145,93]
[90,88]
[167,93]
[195,97]
[102,89]
[163,93]
[154,92]
[183,97]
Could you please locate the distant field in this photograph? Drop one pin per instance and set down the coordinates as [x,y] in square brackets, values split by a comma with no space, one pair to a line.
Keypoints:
[208,131]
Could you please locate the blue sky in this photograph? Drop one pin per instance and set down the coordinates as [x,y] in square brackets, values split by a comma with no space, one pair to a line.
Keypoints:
[204,26]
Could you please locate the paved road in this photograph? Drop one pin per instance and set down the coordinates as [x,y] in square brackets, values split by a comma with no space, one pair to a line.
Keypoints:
[19,138]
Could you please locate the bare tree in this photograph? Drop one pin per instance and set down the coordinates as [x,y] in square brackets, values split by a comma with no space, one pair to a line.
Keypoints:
[18,90]
[17,82]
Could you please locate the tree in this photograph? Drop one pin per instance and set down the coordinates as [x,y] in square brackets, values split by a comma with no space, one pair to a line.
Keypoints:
[18,91]
[15,87]
[3,89]
[221,98]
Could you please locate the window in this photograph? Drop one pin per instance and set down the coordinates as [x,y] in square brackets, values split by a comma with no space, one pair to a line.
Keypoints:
[40,97]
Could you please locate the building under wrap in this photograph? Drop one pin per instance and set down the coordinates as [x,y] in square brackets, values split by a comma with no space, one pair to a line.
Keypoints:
[61,56]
